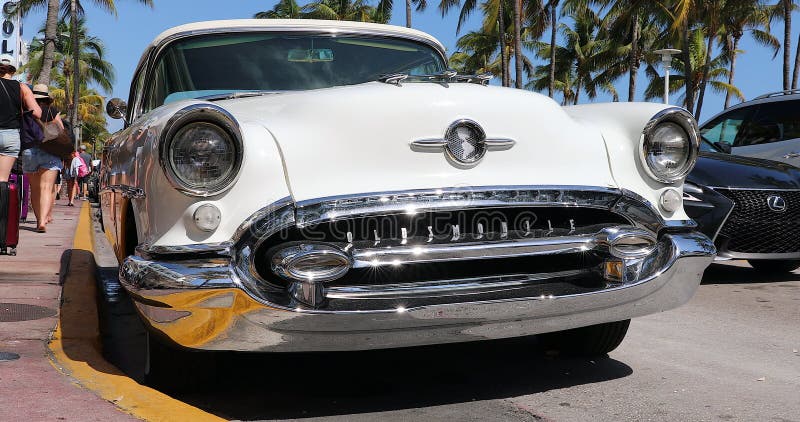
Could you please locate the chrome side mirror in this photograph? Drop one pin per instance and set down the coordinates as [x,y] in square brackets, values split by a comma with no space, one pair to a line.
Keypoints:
[116,108]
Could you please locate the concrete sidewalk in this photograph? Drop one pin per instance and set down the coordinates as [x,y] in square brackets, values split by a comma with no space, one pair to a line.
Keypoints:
[31,388]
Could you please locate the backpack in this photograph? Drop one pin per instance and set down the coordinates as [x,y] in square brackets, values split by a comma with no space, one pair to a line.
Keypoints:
[83,170]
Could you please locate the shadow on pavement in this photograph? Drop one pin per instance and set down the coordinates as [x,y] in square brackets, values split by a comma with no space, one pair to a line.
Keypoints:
[734,274]
[251,386]
[78,330]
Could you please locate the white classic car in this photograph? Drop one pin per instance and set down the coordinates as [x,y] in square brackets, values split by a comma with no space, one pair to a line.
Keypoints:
[321,186]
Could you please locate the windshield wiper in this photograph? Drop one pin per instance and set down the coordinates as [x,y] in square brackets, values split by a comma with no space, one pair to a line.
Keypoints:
[233,95]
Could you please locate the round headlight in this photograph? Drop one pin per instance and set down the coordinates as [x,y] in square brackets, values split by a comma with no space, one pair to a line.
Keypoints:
[669,146]
[201,150]
[202,155]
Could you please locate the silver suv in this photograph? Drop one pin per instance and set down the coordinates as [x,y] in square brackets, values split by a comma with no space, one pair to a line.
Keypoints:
[766,127]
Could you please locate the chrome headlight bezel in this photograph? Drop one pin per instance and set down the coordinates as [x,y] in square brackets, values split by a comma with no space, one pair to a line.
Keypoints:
[685,121]
[208,114]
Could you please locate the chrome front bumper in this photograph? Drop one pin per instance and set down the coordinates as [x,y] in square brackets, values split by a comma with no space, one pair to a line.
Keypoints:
[202,304]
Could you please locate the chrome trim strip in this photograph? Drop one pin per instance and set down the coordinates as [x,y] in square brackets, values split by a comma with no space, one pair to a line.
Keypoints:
[219,248]
[125,190]
[315,211]
[445,287]
[490,247]
[755,189]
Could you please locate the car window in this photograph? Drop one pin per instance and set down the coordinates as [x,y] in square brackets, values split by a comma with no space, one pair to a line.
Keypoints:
[136,89]
[773,122]
[217,64]
[726,128]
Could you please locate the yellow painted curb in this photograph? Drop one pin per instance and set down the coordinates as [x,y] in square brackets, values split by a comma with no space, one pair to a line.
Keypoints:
[76,350]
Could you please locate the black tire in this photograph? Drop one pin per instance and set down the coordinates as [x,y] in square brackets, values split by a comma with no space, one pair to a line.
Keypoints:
[774,266]
[169,369]
[594,340]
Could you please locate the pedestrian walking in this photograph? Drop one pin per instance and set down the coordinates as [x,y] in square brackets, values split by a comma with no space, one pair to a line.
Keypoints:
[77,170]
[84,181]
[14,99]
[45,190]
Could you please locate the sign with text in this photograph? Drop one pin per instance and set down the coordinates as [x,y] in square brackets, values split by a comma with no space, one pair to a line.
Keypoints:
[11,32]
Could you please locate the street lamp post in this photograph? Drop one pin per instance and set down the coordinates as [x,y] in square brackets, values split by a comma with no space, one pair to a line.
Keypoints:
[666,61]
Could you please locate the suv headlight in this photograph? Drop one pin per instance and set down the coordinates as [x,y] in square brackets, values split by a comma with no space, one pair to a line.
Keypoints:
[201,150]
[669,146]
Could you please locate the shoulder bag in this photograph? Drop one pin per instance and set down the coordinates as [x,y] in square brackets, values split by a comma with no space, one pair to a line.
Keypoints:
[30,131]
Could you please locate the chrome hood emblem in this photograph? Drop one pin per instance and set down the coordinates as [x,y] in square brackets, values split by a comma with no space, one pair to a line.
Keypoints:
[776,203]
[464,143]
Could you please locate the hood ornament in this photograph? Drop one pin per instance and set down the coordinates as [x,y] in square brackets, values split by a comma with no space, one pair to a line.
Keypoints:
[464,143]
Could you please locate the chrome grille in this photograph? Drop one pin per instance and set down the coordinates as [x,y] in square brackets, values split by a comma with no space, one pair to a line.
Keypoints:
[396,232]
[754,228]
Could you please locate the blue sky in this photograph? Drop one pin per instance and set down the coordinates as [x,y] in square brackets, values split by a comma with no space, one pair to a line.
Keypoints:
[127,35]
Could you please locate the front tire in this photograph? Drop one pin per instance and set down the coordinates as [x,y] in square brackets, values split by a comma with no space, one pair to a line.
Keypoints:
[774,266]
[594,340]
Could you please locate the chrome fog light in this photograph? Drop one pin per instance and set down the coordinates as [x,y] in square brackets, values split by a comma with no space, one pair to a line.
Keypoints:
[207,217]
[630,243]
[670,200]
[313,263]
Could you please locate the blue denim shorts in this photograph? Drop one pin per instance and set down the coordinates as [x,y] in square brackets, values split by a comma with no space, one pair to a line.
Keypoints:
[34,159]
[9,142]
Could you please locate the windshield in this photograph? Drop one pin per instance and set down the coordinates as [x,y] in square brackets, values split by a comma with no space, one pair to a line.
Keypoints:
[706,146]
[212,65]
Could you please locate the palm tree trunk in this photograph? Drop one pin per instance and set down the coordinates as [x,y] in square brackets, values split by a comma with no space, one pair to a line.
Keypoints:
[577,92]
[518,43]
[502,36]
[73,16]
[706,68]
[687,66]
[796,65]
[551,89]
[50,28]
[732,71]
[787,40]
[634,57]
[408,13]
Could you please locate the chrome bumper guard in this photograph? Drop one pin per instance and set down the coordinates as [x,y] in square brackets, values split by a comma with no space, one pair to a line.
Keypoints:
[204,304]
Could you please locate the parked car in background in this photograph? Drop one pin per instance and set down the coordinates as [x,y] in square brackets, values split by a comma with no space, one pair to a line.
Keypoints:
[749,207]
[766,127]
[333,186]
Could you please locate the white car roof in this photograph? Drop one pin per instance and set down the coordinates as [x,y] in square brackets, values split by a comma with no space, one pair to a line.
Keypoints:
[297,25]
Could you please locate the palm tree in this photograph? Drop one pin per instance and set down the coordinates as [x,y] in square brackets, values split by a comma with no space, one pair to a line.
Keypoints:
[284,9]
[421,6]
[476,53]
[494,21]
[788,7]
[740,17]
[75,9]
[681,14]
[588,48]
[716,69]
[346,10]
[711,13]
[51,22]
[552,5]
[94,69]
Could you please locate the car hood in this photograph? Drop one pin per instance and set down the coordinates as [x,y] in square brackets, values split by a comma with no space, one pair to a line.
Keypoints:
[731,171]
[355,139]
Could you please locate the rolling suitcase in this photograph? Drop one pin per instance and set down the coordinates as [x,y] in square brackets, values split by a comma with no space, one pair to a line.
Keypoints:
[9,218]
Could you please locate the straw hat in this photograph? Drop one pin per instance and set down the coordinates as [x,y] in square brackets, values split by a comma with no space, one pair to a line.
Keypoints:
[41,91]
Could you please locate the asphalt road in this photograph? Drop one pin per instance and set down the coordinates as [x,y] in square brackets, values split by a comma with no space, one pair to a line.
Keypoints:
[729,354]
